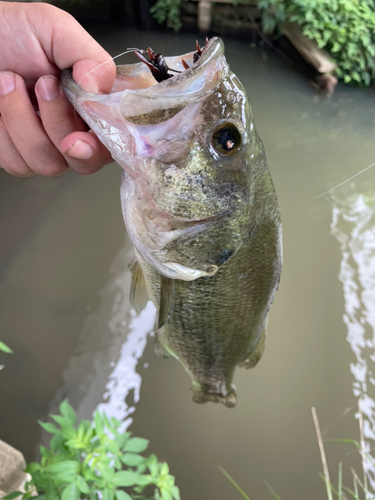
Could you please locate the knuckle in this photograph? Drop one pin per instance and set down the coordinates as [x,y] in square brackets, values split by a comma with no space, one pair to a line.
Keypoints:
[50,168]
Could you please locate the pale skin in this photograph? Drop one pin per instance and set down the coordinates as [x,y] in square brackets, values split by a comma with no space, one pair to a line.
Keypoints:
[38,41]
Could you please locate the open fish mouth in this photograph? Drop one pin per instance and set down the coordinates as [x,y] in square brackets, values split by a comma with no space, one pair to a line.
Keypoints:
[149,128]
[139,99]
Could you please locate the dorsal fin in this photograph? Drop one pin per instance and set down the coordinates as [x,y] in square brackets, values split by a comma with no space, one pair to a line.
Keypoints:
[166,299]
[138,289]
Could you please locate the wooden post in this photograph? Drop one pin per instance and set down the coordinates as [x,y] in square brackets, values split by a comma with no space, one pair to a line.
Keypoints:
[204,15]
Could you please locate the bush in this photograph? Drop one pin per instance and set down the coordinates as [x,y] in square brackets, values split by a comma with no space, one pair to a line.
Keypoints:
[346,28]
[169,11]
[93,460]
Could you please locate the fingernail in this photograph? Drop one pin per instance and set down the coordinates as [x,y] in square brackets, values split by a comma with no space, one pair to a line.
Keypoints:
[7,82]
[89,84]
[49,88]
[80,150]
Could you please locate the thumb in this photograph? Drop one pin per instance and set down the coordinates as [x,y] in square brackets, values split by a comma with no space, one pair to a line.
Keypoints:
[95,74]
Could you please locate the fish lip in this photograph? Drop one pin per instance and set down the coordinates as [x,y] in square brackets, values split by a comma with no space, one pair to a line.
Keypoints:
[212,51]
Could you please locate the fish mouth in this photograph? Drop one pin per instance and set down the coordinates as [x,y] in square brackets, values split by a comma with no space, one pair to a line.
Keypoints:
[140,100]
[146,102]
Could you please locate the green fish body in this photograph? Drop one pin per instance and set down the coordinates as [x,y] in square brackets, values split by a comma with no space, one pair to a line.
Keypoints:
[200,209]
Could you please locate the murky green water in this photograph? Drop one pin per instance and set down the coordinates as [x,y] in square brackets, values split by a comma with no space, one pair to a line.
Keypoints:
[65,310]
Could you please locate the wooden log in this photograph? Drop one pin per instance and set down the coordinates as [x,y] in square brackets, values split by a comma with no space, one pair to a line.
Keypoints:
[309,50]
[204,15]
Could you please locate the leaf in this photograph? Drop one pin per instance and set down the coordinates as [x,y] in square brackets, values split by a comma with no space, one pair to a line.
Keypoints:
[123,439]
[56,442]
[63,421]
[122,495]
[32,467]
[52,493]
[136,445]
[234,483]
[126,478]
[71,492]
[116,423]
[108,494]
[47,426]
[6,349]
[82,485]
[166,495]
[132,459]
[67,411]
[15,494]
[64,471]
[98,423]
[175,493]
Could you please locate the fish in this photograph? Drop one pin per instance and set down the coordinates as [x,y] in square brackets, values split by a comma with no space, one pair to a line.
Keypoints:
[200,209]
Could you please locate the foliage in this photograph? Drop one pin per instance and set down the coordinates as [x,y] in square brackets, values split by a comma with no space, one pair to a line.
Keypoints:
[169,11]
[346,28]
[4,348]
[86,461]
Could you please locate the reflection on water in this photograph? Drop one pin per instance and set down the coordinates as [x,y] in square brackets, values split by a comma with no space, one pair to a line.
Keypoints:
[353,224]
[124,379]
[87,375]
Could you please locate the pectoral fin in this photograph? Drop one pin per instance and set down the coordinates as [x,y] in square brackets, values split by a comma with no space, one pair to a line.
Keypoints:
[138,289]
[166,299]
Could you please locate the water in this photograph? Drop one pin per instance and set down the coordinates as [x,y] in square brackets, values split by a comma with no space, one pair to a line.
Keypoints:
[65,310]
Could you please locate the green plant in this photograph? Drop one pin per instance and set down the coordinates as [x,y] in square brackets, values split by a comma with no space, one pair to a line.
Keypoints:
[93,460]
[169,11]
[4,348]
[331,490]
[346,28]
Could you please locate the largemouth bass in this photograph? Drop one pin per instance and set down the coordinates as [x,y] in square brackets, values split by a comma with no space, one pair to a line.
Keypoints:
[200,209]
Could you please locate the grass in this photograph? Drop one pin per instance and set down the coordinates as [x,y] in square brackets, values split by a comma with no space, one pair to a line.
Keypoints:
[360,489]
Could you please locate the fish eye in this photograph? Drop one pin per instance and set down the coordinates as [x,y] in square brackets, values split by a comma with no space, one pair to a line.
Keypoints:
[226,139]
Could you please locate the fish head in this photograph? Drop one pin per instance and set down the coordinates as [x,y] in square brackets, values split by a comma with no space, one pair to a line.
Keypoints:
[190,154]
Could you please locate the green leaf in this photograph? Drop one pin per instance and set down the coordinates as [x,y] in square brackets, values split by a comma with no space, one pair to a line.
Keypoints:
[98,423]
[63,421]
[56,442]
[175,493]
[71,492]
[52,493]
[166,495]
[32,467]
[116,423]
[64,471]
[67,411]
[108,494]
[15,494]
[6,349]
[233,482]
[136,445]
[122,439]
[47,426]
[126,478]
[82,485]
[132,459]
[122,495]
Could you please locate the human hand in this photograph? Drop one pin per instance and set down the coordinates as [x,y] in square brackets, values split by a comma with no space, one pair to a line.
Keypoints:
[38,41]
